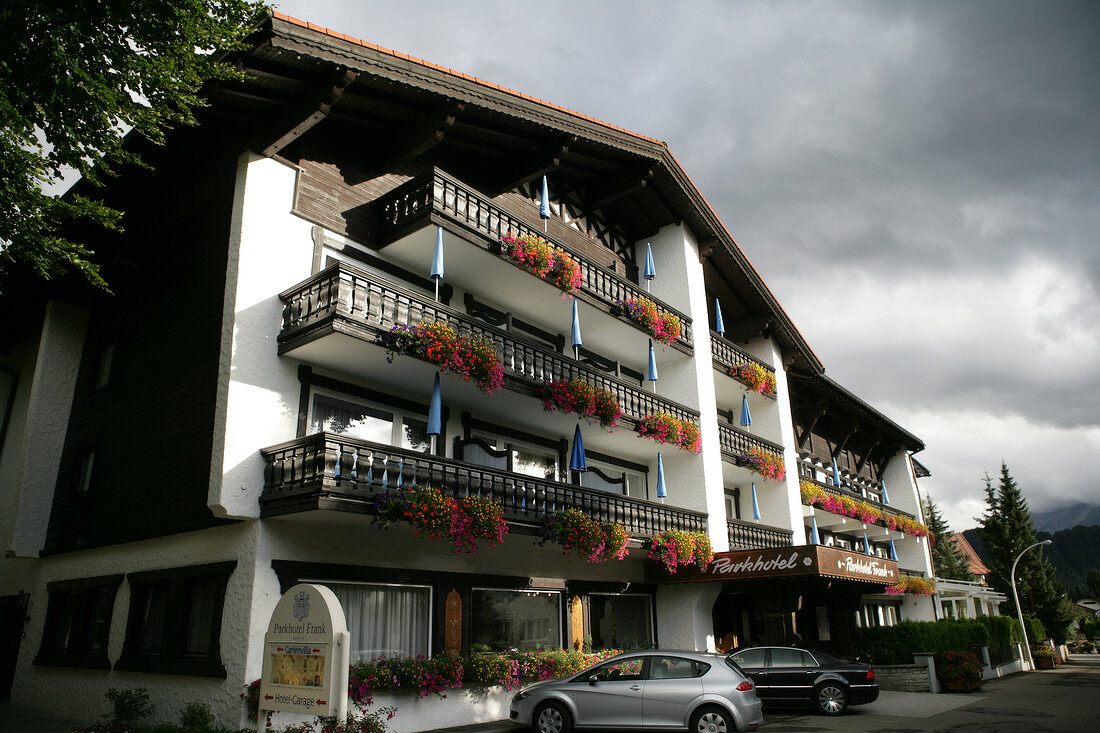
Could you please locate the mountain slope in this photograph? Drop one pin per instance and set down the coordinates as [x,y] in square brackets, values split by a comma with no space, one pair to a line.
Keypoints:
[1067,517]
[1073,552]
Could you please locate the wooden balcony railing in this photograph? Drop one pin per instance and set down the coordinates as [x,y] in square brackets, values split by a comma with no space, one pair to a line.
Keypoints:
[328,471]
[737,443]
[751,536]
[439,195]
[727,355]
[365,305]
[873,501]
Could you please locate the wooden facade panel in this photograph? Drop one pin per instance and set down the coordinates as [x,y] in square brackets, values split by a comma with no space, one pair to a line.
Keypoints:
[337,197]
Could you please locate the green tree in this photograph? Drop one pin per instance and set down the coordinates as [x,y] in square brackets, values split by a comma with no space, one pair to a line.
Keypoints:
[1008,530]
[75,76]
[948,560]
[1092,582]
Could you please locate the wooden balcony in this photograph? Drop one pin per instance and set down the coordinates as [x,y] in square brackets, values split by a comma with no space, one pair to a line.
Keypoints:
[344,299]
[753,536]
[726,356]
[328,471]
[441,199]
[737,443]
[873,501]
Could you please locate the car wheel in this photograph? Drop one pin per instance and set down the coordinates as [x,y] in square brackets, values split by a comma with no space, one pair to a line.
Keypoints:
[552,717]
[712,720]
[830,698]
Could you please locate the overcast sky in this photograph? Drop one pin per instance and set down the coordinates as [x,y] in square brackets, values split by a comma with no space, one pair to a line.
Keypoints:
[918,183]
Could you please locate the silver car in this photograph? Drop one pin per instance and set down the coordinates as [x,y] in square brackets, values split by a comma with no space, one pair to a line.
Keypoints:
[655,689]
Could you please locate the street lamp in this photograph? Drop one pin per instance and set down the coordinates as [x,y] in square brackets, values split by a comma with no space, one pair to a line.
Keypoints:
[1016,596]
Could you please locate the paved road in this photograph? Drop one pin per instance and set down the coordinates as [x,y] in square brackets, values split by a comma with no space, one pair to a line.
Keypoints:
[1065,700]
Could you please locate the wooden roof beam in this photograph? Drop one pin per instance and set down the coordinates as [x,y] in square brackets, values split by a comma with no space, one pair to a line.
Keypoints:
[537,161]
[867,454]
[312,110]
[621,187]
[836,451]
[814,417]
[418,137]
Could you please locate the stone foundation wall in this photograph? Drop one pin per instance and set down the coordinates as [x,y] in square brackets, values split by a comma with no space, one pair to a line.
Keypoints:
[902,677]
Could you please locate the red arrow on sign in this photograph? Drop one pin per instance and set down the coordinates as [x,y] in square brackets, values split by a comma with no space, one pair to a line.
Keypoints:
[278,649]
[316,650]
[321,702]
[268,697]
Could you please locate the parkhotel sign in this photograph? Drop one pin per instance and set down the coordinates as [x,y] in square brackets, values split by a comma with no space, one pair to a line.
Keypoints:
[786,562]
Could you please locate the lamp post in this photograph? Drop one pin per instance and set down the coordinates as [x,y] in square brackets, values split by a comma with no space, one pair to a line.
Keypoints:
[1016,597]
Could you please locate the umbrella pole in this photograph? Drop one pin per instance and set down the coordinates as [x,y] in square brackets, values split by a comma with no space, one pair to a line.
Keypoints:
[432,442]
[577,353]
[437,290]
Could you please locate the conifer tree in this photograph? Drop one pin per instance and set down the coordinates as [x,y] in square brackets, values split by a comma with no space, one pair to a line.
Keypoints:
[1008,530]
[948,559]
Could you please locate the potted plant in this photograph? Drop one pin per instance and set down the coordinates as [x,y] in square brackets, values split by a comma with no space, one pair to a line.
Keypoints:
[1044,656]
[959,670]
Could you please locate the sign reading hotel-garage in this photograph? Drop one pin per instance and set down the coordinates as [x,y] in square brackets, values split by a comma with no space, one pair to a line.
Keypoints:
[306,650]
[786,562]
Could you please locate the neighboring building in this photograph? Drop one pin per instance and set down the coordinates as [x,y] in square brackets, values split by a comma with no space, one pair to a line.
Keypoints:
[968,599]
[180,453]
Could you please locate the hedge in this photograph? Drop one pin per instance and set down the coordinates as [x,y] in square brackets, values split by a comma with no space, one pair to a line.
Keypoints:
[1002,630]
[1090,627]
[897,644]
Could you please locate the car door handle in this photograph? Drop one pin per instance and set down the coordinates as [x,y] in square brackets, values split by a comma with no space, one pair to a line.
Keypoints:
[635,687]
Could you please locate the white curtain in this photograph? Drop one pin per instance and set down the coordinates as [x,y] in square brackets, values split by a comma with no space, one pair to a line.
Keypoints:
[385,620]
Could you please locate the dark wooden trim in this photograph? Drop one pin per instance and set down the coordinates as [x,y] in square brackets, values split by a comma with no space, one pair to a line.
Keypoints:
[291,572]
[510,323]
[315,108]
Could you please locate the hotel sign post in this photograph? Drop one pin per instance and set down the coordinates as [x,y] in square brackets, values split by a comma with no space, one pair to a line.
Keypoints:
[787,562]
[306,650]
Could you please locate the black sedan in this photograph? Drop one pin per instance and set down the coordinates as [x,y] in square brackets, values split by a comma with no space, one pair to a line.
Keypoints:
[790,675]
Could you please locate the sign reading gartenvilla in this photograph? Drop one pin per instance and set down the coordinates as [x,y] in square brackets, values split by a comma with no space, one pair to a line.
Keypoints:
[785,562]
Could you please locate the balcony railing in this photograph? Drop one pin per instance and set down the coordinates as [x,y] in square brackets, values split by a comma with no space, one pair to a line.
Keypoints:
[727,355]
[737,443]
[751,536]
[875,502]
[328,471]
[349,300]
[439,195]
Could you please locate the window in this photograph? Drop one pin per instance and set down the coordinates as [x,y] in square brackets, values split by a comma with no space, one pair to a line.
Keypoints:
[385,620]
[343,415]
[675,668]
[86,465]
[750,658]
[175,620]
[78,622]
[521,619]
[733,503]
[103,368]
[527,458]
[782,658]
[635,480]
[623,669]
[620,621]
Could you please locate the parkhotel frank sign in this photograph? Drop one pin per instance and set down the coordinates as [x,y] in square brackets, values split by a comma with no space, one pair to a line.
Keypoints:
[787,562]
[306,650]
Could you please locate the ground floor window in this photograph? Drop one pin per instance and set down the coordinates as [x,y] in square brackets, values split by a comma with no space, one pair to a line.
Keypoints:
[519,619]
[386,620]
[78,622]
[620,621]
[871,615]
[175,619]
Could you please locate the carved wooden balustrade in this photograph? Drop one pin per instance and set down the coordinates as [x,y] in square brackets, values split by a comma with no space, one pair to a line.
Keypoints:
[751,536]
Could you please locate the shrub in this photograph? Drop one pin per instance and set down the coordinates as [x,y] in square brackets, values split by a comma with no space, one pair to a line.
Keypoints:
[1090,628]
[196,716]
[897,644]
[958,666]
[1035,629]
[1000,630]
[130,705]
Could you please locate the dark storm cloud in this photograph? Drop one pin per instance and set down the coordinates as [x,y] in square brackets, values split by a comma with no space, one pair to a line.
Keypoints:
[919,184]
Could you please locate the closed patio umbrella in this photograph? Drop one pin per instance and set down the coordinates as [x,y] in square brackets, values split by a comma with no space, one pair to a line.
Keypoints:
[650,271]
[893,550]
[652,366]
[746,417]
[577,460]
[836,474]
[544,204]
[719,325]
[814,537]
[577,343]
[885,496]
[437,261]
[661,492]
[755,505]
[866,544]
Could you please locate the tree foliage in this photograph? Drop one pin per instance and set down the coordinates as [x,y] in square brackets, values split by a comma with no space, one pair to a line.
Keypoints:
[75,76]
[948,560]
[1007,530]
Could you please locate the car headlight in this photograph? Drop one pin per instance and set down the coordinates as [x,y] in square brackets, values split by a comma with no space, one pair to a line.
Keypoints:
[521,696]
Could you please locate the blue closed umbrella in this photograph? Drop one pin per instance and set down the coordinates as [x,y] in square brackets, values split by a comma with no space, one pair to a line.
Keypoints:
[719,325]
[577,343]
[885,496]
[746,417]
[437,261]
[652,366]
[661,493]
[577,461]
[814,538]
[866,544]
[650,271]
[755,506]
[893,550]
[836,474]
[435,410]
[544,204]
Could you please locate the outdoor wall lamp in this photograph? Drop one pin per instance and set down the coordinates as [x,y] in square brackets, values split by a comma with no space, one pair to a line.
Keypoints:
[1016,596]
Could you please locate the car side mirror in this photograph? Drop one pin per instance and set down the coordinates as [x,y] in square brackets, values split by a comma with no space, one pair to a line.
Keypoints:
[592,680]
